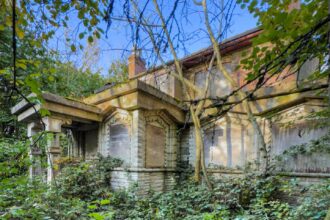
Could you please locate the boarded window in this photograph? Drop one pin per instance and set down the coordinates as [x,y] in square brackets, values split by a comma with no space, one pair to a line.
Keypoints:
[200,82]
[307,69]
[213,152]
[155,146]
[219,86]
[120,142]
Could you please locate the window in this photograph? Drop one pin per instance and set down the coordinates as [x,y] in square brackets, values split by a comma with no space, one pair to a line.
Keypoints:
[219,85]
[155,146]
[212,149]
[120,142]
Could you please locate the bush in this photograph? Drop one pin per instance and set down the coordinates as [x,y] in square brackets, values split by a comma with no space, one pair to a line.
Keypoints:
[22,198]
[14,160]
[87,180]
[250,197]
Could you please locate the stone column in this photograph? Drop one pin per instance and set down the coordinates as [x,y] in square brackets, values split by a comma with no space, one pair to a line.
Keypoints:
[53,153]
[53,128]
[137,139]
[35,152]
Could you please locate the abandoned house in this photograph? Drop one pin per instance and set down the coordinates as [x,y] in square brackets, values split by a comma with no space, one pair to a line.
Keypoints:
[145,121]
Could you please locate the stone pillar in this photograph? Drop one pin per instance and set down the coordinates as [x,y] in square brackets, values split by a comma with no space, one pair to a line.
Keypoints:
[35,152]
[53,153]
[137,139]
[53,128]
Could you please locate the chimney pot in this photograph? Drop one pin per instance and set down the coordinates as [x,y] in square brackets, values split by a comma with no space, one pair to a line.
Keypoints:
[136,64]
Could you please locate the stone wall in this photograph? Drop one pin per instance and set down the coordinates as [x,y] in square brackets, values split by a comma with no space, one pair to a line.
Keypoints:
[164,82]
[186,152]
[141,150]
[290,128]
[228,142]
[159,180]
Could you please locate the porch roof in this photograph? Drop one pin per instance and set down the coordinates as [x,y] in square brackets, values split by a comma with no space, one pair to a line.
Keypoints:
[57,105]
[136,94]
[129,96]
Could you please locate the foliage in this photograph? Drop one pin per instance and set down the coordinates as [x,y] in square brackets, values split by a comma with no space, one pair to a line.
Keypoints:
[248,197]
[14,159]
[320,145]
[118,72]
[316,204]
[292,34]
[82,191]
[22,198]
[87,180]
[25,199]
[68,81]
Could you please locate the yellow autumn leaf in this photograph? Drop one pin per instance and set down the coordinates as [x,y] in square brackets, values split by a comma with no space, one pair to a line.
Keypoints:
[21,65]
[20,33]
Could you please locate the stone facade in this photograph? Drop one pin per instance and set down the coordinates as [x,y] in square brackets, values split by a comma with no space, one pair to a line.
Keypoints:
[145,123]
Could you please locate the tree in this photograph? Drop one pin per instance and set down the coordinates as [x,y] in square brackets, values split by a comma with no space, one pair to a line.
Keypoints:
[232,82]
[118,72]
[155,24]
[298,32]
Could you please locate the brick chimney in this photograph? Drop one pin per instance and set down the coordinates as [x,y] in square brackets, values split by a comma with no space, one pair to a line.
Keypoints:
[136,64]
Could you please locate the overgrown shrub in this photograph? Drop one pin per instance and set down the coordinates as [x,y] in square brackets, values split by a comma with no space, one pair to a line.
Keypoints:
[249,197]
[14,158]
[82,191]
[87,180]
[22,198]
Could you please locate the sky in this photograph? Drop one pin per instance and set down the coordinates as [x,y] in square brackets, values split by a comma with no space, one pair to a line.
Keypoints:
[113,47]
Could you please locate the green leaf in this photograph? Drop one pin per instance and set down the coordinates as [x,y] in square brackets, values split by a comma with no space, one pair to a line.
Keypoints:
[81,14]
[96,216]
[92,207]
[52,70]
[73,48]
[90,39]
[105,202]
[44,112]
[2,71]
[250,77]
[33,84]
[51,78]
[97,34]
[81,35]
[21,65]
[65,7]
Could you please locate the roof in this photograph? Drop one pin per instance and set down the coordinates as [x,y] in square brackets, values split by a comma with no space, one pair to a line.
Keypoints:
[227,46]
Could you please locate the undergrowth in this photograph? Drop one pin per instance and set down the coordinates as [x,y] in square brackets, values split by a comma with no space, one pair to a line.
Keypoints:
[82,191]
